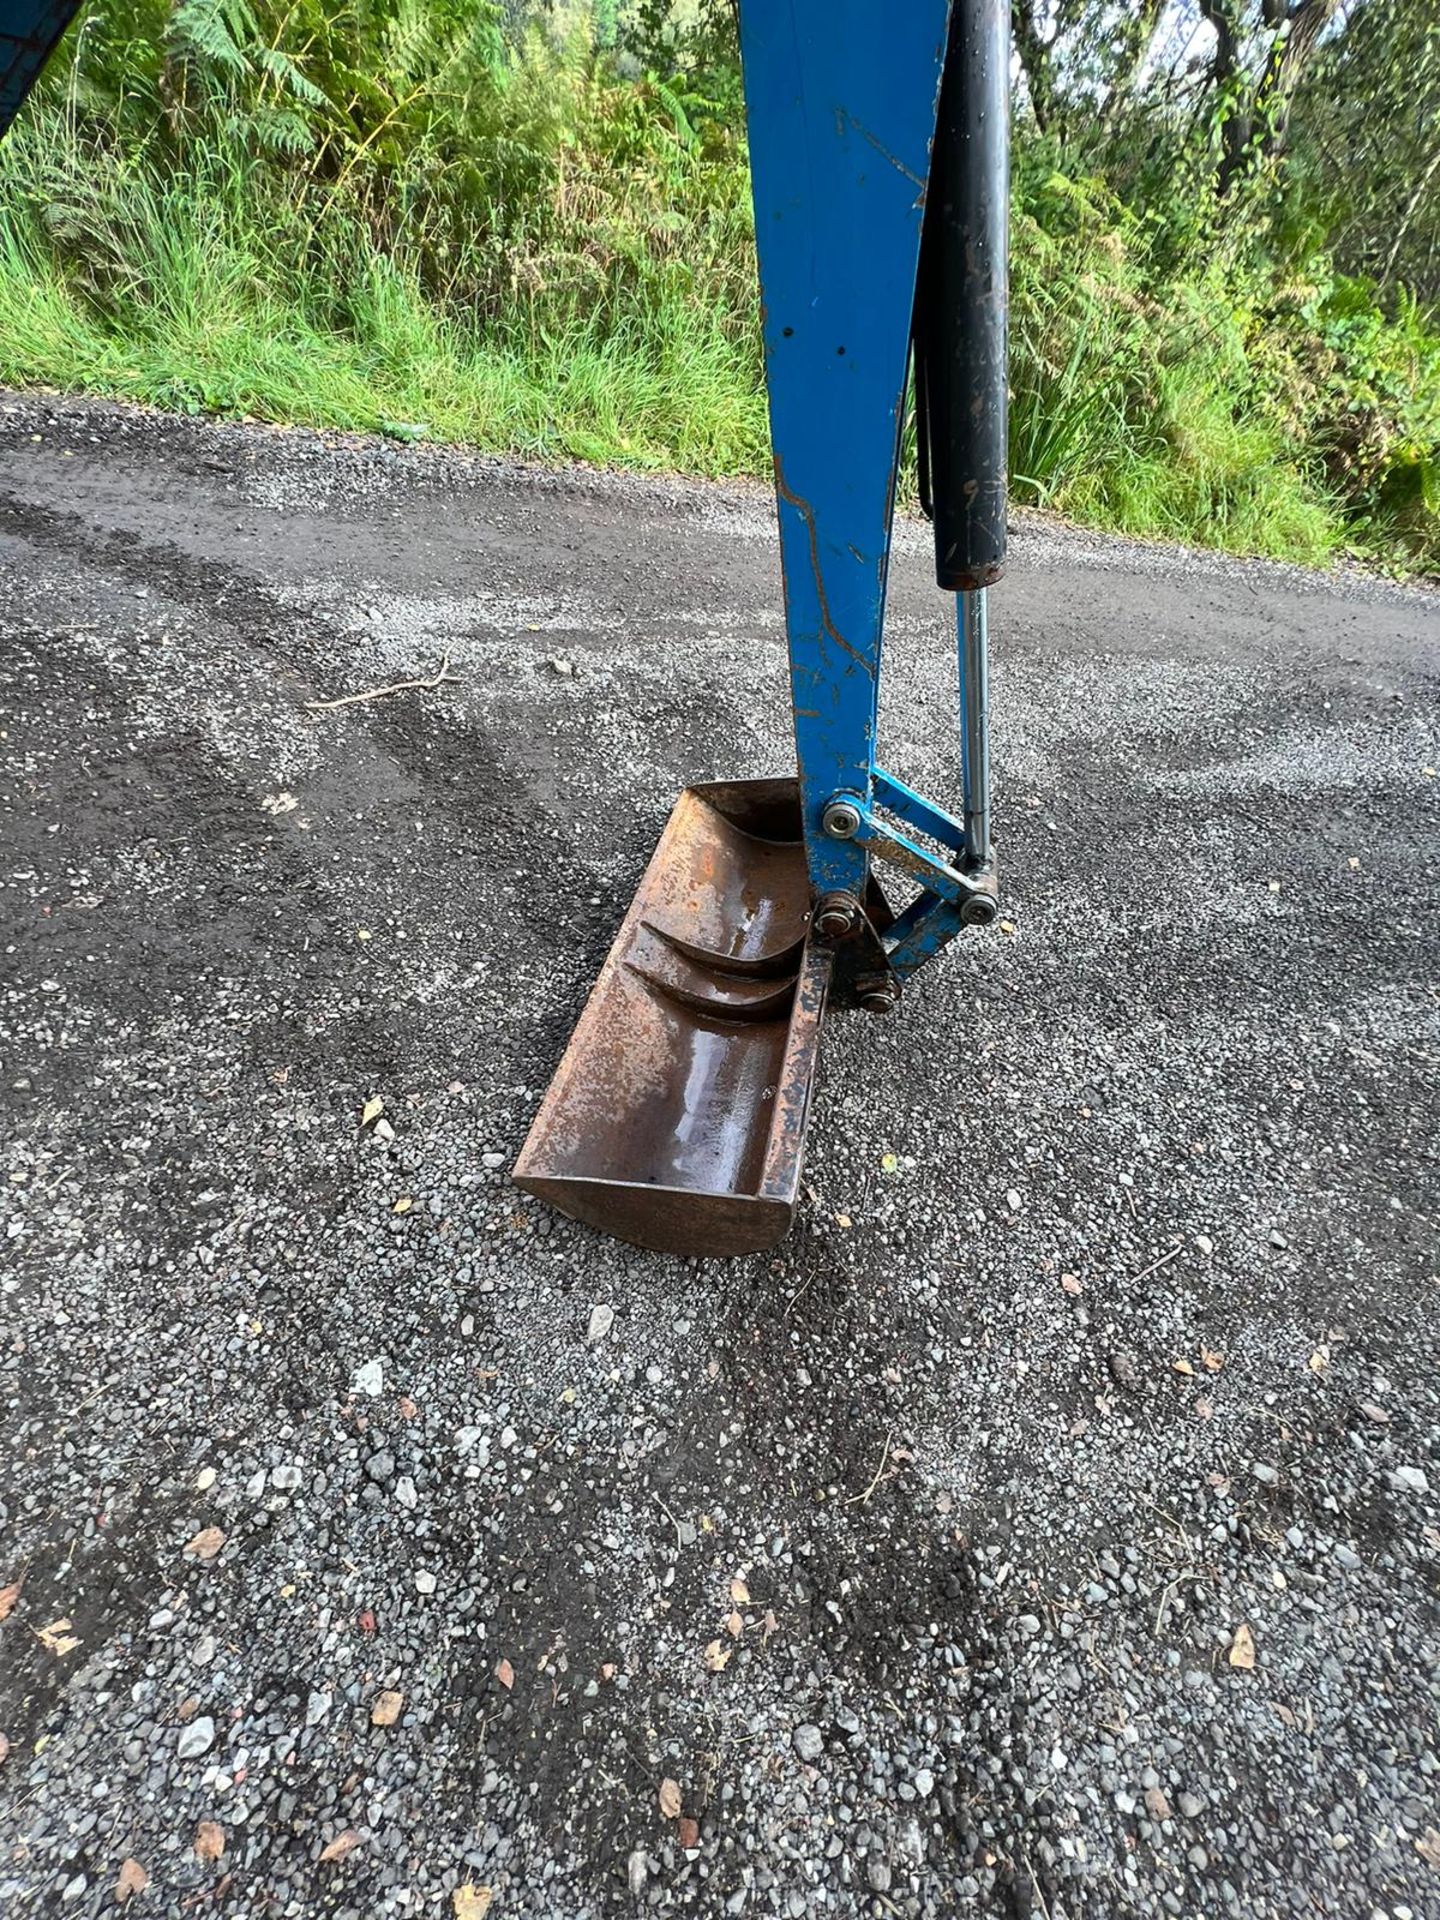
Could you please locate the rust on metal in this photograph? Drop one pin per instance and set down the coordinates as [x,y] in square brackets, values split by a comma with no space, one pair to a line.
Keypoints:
[676,1119]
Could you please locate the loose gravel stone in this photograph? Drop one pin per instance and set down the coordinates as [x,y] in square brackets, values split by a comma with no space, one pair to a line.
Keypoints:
[195,1739]
[1410,1480]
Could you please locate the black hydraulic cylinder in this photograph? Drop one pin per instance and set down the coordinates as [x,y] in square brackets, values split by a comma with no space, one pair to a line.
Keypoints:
[962,302]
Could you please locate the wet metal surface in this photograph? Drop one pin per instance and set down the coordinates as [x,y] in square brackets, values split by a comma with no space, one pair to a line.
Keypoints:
[676,1118]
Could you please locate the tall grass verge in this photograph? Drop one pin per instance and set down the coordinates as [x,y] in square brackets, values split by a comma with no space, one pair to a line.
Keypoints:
[395,219]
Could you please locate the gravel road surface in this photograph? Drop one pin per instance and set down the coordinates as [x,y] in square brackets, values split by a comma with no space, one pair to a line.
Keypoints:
[1050,1529]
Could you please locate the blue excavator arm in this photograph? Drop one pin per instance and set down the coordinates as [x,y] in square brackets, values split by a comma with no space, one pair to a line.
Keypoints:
[29,30]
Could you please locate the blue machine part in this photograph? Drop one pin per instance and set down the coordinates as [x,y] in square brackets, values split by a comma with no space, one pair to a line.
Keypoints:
[29,30]
[841,101]
[842,104]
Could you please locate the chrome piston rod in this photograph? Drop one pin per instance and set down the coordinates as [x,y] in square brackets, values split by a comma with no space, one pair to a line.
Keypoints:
[973,635]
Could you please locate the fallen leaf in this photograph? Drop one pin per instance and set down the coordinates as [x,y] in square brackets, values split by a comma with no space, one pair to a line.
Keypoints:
[406,1407]
[403,1204]
[1007,926]
[1205,1408]
[505,1673]
[688,1833]
[206,1544]
[362,933]
[739,1592]
[888,1163]
[386,1709]
[770,1624]
[8,1596]
[608,1670]
[372,1110]
[842,1220]
[472,1902]
[1428,1847]
[717,1657]
[1183,1366]
[57,1638]
[734,1625]
[132,1878]
[4,1748]
[1319,1360]
[342,1844]
[1353,864]
[1072,1283]
[209,1841]
[1242,1648]
[1210,1360]
[670,1801]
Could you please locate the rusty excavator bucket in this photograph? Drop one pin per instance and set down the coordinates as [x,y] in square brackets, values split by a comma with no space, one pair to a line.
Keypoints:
[676,1119]
[677,1116]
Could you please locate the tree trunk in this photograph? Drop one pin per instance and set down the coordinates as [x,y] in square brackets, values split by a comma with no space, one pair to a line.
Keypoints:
[1289,57]
[1034,61]
[1136,38]
[1228,85]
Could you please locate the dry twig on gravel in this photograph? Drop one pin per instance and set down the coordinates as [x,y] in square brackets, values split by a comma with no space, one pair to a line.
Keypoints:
[442,678]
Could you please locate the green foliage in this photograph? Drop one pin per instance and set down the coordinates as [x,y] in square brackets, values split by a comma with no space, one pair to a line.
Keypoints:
[1134,402]
[447,216]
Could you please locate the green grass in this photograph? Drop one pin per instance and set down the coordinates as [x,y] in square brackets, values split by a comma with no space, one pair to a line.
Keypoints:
[208,314]
[588,293]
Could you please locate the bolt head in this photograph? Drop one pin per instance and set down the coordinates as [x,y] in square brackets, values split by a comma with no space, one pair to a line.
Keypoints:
[840,820]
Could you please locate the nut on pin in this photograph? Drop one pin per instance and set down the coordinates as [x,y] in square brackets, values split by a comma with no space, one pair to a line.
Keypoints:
[877,992]
[836,914]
